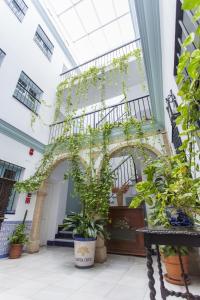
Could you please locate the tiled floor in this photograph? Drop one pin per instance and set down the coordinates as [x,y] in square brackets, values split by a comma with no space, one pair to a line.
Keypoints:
[51,275]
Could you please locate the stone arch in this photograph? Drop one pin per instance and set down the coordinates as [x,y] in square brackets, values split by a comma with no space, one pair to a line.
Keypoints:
[125,145]
[34,241]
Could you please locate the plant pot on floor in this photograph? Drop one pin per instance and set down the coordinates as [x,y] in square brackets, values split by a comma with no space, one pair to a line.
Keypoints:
[15,250]
[84,252]
[173,268]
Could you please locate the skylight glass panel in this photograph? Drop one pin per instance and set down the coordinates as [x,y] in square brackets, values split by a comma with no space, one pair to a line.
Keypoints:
[99,41]
[113,35]
[85,8]
[92,27]
[105,10]
[72,24]
[121,7]
[85,50]
[126,28]
[60,5]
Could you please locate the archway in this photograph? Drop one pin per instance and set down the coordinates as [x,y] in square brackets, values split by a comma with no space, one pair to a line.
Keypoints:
[127,163]
[52,197]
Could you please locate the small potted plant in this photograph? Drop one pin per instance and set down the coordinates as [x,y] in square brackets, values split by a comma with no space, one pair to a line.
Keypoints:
[17,240]
[85,232]
[170,257]
[172,195]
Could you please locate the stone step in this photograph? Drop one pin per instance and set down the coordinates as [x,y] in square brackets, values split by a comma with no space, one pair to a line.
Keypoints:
[66,234]
[61,242]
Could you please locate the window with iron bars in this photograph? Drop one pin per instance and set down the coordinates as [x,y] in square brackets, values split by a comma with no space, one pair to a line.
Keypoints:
[43,42]
[9,174]
[2,55]
[18,7]
[184,26]
[28,93]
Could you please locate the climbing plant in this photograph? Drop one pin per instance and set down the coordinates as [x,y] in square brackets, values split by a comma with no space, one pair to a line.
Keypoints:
[188,80]
[77,86]
[92,187]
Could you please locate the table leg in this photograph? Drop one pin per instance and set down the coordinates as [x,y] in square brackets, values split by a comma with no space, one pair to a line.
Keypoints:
[162,286]
[150,274]
[184,275]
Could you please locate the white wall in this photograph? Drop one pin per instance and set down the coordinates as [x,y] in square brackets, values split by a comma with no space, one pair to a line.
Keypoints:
[167,23]
[22,53]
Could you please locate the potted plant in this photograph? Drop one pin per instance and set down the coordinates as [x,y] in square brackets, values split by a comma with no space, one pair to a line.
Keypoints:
[170,257]
[170,187]
[17,241]
[85,232]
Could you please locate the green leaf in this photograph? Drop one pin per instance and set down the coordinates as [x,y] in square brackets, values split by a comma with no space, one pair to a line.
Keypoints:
[189,39]
[190,4]
[198,30]
[197,14]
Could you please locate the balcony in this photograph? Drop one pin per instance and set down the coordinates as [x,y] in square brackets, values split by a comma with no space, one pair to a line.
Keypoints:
[102,60]
[108,77]
[139,108]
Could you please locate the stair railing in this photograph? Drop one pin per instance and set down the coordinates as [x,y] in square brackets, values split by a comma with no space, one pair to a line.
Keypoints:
[138,108]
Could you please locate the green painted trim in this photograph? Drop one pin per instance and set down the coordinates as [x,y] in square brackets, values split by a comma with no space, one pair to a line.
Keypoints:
[148,15]
[20,136]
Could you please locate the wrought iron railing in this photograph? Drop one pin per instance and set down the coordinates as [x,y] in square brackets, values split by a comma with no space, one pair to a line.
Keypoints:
[185,24]
[140,108]
[125,173]
[103,60]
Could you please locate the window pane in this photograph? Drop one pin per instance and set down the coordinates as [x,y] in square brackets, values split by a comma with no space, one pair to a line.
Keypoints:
[9,174]
[18,7]
[28,93]
[43,42]
[2,55]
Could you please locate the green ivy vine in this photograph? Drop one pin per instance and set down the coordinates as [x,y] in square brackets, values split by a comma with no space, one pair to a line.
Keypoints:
[188,80]
[78,85]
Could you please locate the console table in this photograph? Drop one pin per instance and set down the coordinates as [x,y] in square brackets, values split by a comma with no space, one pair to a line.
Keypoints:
[171,236]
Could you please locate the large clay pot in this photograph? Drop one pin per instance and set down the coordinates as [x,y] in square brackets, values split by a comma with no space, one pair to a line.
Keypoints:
[100,251]
[15,250]
[173,268]
[84,251]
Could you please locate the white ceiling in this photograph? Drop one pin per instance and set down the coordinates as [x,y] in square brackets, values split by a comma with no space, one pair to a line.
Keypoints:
[91,27]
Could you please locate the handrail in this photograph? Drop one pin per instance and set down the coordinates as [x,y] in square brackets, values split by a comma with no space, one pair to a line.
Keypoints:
[138,108]
[98,110]
[99,56]
[109,112]
[122,163]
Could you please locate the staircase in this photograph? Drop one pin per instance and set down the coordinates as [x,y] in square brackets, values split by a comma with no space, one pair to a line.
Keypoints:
[63,238]
[125,176]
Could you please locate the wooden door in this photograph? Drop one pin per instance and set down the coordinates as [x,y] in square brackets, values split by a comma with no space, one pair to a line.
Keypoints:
[124,239]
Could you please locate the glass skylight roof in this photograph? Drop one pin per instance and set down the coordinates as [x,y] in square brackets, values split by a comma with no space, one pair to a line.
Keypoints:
[92,27]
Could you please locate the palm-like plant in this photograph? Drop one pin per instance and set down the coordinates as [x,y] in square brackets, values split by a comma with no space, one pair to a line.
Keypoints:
[84,226]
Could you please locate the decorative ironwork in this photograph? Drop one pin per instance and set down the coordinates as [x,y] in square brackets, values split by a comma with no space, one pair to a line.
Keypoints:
[172,105]
[139,108]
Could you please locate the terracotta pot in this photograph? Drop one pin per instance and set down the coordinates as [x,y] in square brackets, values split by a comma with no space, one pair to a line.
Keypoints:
[15,250]
[173,268]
